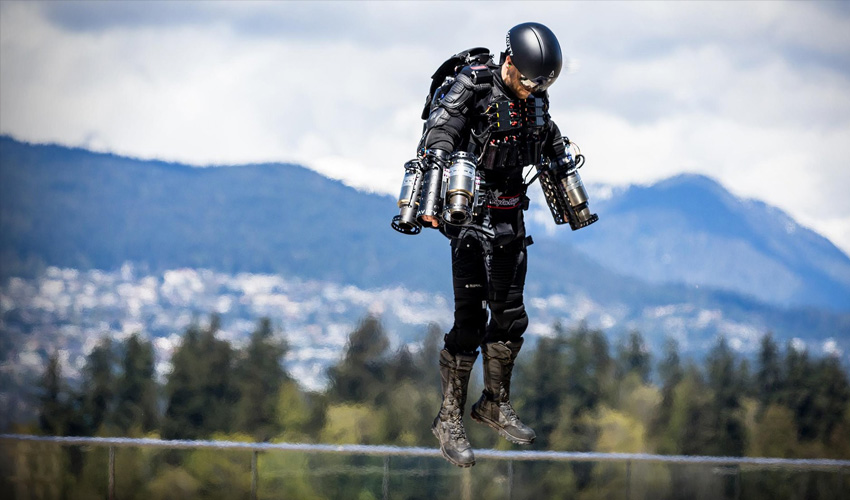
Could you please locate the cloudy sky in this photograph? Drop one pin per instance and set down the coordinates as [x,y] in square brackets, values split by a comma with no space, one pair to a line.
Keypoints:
[756,95]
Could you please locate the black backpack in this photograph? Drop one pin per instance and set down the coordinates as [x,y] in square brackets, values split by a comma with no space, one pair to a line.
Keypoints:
[450,68]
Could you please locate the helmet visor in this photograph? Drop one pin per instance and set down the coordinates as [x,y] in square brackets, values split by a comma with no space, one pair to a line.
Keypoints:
[538,84]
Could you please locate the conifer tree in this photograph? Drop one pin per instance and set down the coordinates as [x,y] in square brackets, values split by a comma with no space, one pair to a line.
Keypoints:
[691,429]
[768,376]
[589,367]
[831,394]
[565,381]
[136,388]
[745,378]
[797,393]
[670,373]
[53,405]
[670,367]
[218,391]
[99,384]
[358,377]
[408,404]
[725,383]
[544,378]
[430,353]
[200,391]
[259,376]
[185,411]
[604,367]
[633,357]
[426,360]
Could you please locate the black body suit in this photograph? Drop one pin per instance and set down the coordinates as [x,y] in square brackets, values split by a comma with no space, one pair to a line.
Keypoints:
[479,114]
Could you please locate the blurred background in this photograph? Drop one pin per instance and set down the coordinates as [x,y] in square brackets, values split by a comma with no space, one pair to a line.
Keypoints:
[195,201]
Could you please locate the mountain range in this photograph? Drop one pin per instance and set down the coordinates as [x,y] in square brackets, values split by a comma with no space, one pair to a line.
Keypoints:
[685,242]
[689,229]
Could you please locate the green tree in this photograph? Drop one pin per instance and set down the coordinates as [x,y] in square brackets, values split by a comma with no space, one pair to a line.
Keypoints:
[300,416]
[173,483]
[590,371]
[831,397]
[59,412]
[410,397]
[775,434]
[768,376]
[136,409]
[359,377]
[798,392]
[633,357]
[184,414]
[291,473]
[670,367]
[620,433]
[217,389]
[429,355]
[724,380]
[221,475]
[200,390]
[746,378]
[543,375]
[638,400]
[690,429]
[670,373]
[53,402]
[567,376]
[259,376]
[99,385]
[353,423]
[603,367]
[570,376]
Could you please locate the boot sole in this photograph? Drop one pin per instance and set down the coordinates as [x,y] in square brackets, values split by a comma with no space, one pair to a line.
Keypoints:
[493,425]
[443,452]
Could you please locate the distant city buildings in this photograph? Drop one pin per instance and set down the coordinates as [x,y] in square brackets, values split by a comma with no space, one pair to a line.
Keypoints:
[69,311]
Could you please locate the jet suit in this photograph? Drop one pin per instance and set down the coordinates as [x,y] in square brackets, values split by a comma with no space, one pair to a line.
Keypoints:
[479,114]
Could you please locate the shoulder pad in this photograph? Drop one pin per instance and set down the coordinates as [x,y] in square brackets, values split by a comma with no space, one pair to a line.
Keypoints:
[452,68]
[460,92]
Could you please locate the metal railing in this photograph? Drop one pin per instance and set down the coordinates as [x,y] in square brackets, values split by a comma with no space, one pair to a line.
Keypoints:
[840,466]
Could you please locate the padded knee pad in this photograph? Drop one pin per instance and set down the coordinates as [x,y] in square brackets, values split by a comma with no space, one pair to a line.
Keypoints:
[508,321]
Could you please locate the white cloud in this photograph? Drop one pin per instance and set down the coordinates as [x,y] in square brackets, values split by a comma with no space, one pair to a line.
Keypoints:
[755,94]
[830,347]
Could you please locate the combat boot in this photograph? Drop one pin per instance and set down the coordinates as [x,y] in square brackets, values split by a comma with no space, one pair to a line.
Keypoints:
[494,407]
[448,426]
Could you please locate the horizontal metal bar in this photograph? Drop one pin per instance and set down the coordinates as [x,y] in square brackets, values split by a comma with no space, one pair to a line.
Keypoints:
[379,450]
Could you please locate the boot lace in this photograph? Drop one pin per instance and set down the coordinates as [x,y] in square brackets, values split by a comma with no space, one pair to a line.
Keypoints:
[508,411]
[456,428]
[455,420]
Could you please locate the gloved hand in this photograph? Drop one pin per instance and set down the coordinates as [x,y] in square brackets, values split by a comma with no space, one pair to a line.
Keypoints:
[433,220]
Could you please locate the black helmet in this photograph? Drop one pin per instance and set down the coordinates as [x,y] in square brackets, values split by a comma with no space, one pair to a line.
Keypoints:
[535,52]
